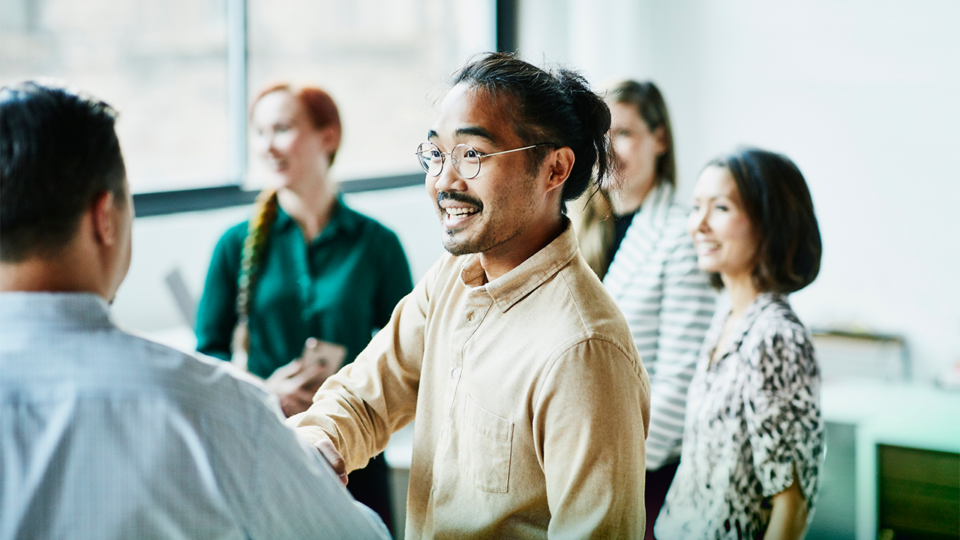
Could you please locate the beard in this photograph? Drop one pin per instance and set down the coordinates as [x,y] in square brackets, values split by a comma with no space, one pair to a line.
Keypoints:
[450,243]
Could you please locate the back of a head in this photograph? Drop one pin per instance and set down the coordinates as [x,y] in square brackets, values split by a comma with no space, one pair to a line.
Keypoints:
[58,151]
[555,107]
[778,202]
[652,108]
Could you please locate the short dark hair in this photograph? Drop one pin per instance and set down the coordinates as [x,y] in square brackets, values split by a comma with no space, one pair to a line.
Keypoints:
[777,201]
[555,107]
[652,108]
[58,152]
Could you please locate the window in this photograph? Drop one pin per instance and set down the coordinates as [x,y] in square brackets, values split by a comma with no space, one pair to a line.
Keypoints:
[181,73]
[163,65]
[383,62]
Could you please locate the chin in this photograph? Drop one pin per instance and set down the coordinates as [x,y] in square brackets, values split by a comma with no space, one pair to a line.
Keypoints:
[708,266]
[281,179]
[457,247]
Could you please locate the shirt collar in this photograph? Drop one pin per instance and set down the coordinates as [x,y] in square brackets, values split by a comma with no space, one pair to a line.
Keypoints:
[656,205]
[753,313]
[516,284]
[64,310]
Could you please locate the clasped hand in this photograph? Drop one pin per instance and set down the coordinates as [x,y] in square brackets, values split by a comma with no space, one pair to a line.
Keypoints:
[296,383]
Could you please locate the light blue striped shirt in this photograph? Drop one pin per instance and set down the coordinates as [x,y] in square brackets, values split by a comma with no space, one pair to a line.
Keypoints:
[107,435]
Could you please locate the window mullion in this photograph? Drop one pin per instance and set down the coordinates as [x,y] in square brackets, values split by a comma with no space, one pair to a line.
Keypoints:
[237,88]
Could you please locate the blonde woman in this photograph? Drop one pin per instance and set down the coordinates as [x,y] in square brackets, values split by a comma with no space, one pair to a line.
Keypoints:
[633,235]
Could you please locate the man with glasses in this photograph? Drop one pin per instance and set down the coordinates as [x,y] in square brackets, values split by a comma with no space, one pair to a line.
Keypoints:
[530,400]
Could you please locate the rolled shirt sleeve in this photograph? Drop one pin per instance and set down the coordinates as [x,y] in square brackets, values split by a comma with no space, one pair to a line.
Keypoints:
[782,411]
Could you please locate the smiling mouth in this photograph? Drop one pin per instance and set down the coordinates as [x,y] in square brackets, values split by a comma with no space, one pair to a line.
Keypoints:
[460,212]
[706,247]
[454,215]
[455,218]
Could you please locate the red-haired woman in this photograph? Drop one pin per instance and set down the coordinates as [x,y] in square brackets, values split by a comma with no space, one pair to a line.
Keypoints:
[304,268]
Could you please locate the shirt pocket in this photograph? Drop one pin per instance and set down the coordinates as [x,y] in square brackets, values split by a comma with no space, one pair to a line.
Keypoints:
[489,441]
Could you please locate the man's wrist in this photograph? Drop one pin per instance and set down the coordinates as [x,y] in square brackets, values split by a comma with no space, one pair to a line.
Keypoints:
[313,434]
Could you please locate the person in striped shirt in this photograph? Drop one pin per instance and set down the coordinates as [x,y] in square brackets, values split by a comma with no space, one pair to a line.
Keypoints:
[634,237]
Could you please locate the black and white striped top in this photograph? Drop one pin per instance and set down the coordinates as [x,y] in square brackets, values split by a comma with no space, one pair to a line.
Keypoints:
[668,304]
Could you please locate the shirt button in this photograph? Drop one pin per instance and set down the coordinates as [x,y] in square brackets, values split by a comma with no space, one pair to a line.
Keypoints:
[443,434]
[455,372]
[470,316]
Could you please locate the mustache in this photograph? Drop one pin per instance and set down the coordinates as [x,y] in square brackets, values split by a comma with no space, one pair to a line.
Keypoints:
[459,197]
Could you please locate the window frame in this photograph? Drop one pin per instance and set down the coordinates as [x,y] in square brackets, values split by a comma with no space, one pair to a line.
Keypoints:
[161,203]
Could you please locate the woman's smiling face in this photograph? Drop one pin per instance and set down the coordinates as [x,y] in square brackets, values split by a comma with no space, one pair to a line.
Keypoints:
[725,238]
[286,140]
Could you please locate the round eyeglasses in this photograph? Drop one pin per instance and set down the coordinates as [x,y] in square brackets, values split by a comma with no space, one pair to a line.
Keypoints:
[466,159]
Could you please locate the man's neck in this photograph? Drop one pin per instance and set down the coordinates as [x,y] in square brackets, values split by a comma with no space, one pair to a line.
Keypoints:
[500,260]
[59,274]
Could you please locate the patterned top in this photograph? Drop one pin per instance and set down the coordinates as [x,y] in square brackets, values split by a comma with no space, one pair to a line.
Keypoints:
[751,417]
[668,302]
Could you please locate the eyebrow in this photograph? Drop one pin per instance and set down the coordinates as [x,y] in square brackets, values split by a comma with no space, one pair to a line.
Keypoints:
[469,131]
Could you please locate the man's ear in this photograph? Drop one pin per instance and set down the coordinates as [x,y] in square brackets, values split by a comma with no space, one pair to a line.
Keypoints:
[560,163]
[104,218]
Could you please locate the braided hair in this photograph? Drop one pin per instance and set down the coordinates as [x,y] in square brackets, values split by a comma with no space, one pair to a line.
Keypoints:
[323,114]
[264,215]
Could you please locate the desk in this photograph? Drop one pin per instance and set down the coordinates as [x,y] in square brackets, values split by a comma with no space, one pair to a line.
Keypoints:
[859,415]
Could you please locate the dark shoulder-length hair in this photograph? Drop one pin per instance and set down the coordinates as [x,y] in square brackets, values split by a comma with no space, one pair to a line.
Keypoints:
[777,201]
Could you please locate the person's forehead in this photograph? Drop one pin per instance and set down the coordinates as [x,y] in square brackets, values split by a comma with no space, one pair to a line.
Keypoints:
[467,110]
[277,103]
[716,181]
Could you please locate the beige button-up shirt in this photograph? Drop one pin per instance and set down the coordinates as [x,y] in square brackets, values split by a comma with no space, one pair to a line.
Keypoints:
[531,402]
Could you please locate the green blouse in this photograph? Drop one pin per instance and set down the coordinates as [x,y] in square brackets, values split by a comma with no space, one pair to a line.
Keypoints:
[341,287]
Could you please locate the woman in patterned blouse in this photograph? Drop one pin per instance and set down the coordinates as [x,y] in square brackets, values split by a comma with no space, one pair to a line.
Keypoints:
[753,435]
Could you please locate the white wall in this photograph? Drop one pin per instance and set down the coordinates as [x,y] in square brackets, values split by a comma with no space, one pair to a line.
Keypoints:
[863,95]
[186,241]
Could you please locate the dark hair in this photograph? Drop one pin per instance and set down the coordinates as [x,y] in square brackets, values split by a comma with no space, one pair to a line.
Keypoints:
[320,108]
[555,107]
[651,107]
[58,152]
[777,201]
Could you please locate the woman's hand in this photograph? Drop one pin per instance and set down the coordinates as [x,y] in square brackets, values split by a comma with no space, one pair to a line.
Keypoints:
[789,516]
[295,384]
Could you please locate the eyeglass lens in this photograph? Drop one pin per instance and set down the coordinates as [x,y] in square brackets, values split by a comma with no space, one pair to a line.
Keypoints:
[466,160]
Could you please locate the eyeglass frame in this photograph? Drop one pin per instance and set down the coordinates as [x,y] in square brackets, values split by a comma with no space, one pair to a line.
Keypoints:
[480,156]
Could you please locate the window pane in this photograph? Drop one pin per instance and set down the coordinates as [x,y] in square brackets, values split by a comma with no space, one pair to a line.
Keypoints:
[163,65]
[385,62]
